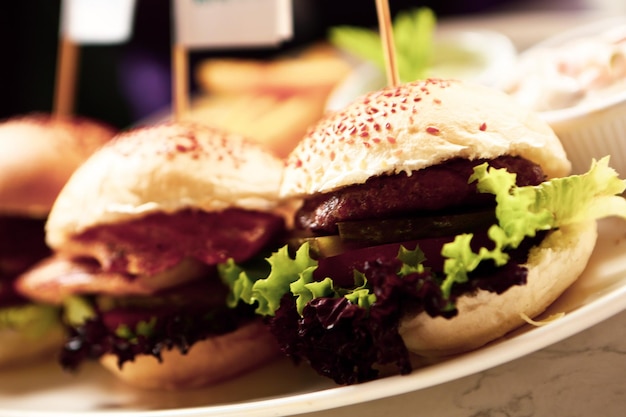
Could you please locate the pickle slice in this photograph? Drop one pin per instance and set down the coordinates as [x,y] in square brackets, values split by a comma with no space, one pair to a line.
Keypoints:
[324,246]
[410,228]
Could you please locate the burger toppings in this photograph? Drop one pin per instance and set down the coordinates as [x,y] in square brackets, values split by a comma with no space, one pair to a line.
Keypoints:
[348,330]
[22,245]
[113,311]
[437,188]
[130,326]
[363,335]
[160,241]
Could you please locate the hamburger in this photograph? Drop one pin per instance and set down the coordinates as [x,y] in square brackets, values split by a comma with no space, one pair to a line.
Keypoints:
[137,233]
[434,217]
[38,153]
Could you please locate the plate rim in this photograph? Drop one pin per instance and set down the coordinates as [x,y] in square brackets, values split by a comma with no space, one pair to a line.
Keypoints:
[516,345]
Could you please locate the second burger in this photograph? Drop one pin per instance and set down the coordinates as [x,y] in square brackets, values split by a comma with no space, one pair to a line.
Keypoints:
[137,232]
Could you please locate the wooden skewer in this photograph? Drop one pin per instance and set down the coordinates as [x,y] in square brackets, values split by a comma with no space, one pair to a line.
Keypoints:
[386,36]
[180,82]
[65,86]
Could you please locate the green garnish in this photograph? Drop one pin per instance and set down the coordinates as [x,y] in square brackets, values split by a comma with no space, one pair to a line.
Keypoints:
[521,213]
[77,310]
[413,32]
[33,320]
[143,328]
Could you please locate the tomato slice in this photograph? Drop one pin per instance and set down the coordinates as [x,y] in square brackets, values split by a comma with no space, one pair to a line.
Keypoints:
[341,267]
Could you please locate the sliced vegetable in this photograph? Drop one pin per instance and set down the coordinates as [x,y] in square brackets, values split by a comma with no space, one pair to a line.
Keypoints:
[402,229]
[141,329]
[32,320]
[325,246]
[521,213]
[349,334]
[77,310]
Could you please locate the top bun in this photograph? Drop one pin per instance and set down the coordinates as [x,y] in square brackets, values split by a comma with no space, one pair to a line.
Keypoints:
[165,168]
[416,125]
[38,153]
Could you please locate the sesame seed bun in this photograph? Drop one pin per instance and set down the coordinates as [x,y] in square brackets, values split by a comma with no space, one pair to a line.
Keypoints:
[38,153]
[424,123]
[164,168]
[486,316]
[207,362]
[167,169]
[413,126]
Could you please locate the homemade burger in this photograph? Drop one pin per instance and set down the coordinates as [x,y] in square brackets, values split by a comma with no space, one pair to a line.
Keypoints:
[435,217]
[137,233]
[38,153]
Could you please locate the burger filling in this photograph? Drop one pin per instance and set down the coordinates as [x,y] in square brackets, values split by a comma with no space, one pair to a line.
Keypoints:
[339,309]
[160,241]
[150,284]
[22,244]
[146,325]
[440,189]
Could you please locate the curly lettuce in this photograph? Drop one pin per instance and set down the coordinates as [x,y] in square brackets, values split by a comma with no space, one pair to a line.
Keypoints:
[521,213]
[32,320]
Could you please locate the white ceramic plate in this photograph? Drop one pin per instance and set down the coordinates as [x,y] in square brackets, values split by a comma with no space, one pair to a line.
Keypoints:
[283,389]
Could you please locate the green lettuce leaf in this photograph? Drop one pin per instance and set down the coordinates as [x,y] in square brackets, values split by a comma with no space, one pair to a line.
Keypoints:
[305,290]
[523,211]
[76,310]
[288,275]
[33,320]
[267,292]
[143,328]
[412,261]
[413,32]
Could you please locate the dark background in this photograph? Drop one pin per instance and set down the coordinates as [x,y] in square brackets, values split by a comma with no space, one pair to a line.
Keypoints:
[122,83]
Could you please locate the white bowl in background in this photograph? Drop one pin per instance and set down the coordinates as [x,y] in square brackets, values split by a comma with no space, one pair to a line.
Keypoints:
[593,123]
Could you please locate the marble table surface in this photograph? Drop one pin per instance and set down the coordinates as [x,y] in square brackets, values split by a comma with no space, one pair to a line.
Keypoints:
[584,375]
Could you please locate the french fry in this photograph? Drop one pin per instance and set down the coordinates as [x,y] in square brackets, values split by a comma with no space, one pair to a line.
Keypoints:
[272,102]
[312,69]
[278,123]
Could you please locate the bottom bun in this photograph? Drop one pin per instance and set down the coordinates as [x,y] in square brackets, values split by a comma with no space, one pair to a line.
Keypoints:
[553,266]
[17,349]
[207,362]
